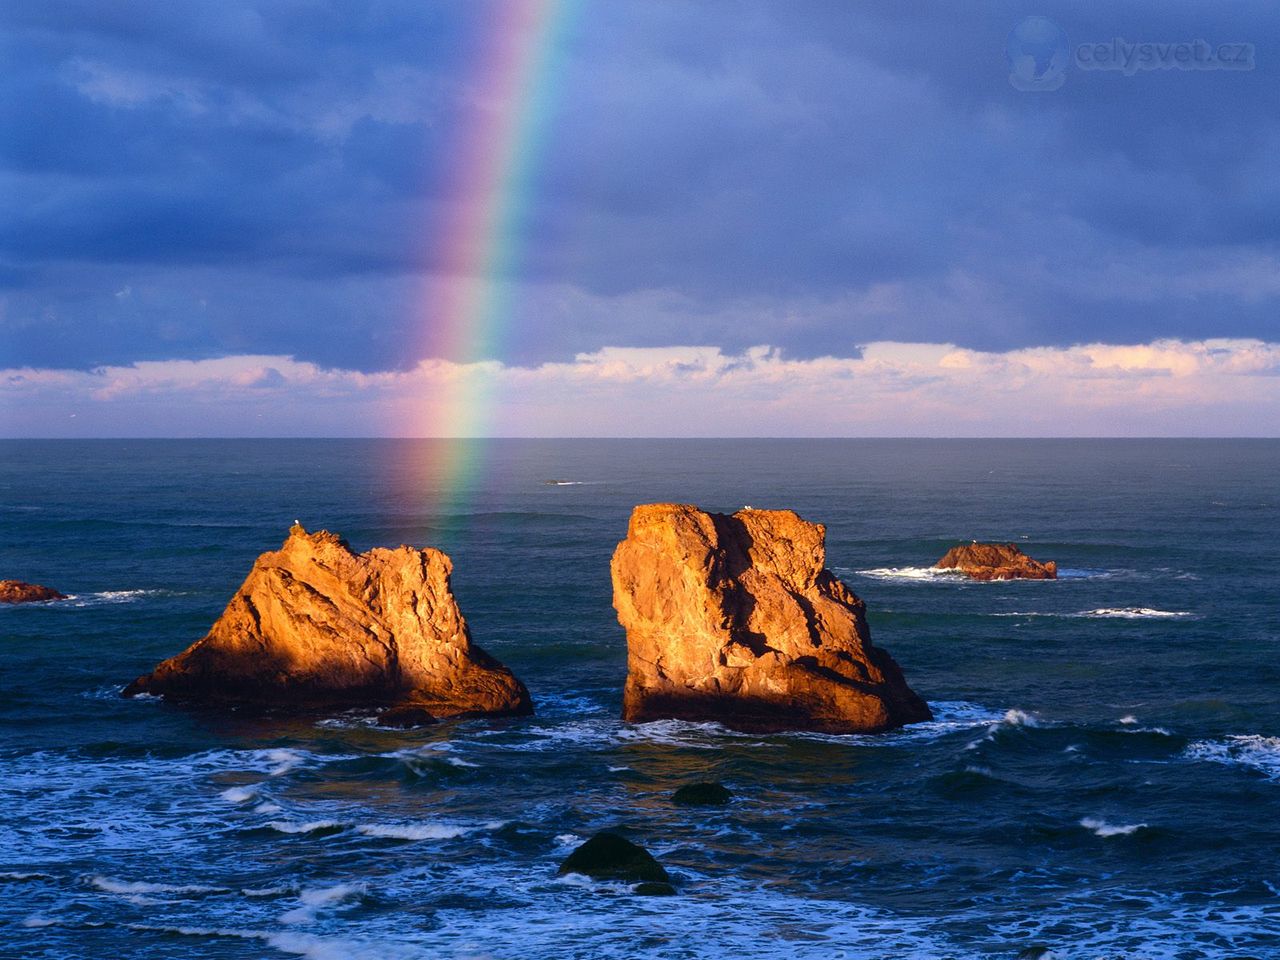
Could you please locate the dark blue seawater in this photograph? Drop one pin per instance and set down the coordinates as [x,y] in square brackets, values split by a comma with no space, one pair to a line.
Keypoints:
[1103,777]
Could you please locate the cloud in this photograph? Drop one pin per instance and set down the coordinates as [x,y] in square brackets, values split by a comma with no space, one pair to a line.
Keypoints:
[1168,387]
[274,177]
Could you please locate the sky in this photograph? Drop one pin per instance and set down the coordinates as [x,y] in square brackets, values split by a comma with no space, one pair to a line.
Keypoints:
[749,218]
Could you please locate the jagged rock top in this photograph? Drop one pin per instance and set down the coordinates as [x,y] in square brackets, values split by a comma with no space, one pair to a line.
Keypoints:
[735,618]
[996,561]
[316,624]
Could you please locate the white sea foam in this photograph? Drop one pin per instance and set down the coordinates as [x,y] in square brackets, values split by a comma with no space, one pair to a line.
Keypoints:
[240,794]
[1128,719]
[36,921]
[16,875]
[104,598]
[1248,750]
[1019,718]
[313,900]
[910,573]
[126,887]
[266,808]
[413,831]
[308,946]
[1103,613]
[283,760]
[1136,613]
[1104,829]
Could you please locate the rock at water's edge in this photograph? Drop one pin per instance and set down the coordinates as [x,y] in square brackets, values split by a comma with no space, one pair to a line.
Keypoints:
[16,591]
[315,625]
[736,619]
[996,561]
[608,856]
[702,795]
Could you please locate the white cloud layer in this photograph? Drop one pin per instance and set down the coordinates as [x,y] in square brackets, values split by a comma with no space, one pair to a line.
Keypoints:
[1162,388]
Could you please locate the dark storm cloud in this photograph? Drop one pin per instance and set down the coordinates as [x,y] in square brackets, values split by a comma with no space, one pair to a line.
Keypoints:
[194,179]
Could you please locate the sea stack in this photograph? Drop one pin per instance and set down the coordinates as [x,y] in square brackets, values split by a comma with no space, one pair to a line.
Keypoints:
[996,561]
[17,591]
[735,618]
[316,626]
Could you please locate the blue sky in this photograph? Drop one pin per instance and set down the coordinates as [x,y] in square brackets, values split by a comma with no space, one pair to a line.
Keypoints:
[190,182]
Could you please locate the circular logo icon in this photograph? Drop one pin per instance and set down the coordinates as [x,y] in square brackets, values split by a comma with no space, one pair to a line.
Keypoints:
[1038,54]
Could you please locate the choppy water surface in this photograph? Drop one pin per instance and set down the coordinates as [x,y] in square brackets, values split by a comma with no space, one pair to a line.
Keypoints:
[1102,778]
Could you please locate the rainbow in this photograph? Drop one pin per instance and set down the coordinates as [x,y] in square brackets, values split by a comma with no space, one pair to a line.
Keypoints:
[477,248]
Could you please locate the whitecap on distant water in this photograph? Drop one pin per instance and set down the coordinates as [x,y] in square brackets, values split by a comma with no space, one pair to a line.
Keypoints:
[99,599]
[1103,829]
[919,574]
[1135,613]
[1103,613]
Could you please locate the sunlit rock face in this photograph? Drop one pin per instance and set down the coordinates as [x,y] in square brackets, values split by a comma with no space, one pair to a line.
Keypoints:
[315,625]
[735,618]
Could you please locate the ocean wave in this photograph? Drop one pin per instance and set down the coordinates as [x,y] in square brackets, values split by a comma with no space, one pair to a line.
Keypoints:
[418,831]
[142,887]
[240,794]
[312,900]
[1104,613]
[1103,829]
[917,574]
[1248,750]
[309,826]
[1136,613]
[106,598]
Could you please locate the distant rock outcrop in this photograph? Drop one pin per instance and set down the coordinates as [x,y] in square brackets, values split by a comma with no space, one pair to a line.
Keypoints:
[316,625]
[736,619]
[16,591]
[996,561]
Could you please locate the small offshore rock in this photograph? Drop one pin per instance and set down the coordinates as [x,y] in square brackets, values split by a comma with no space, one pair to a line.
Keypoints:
[18,591]
[608,856]
[996,561]
[702,795]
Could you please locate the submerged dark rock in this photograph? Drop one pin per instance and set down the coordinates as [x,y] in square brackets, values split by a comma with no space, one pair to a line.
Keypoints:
[406,717]
[702,795]
[18,591]
[608,856]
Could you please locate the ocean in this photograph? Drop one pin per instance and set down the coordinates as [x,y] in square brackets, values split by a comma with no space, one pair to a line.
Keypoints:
[1102,779]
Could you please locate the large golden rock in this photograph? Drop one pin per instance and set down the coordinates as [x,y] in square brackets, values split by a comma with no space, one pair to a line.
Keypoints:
[316,625]
[736,619]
